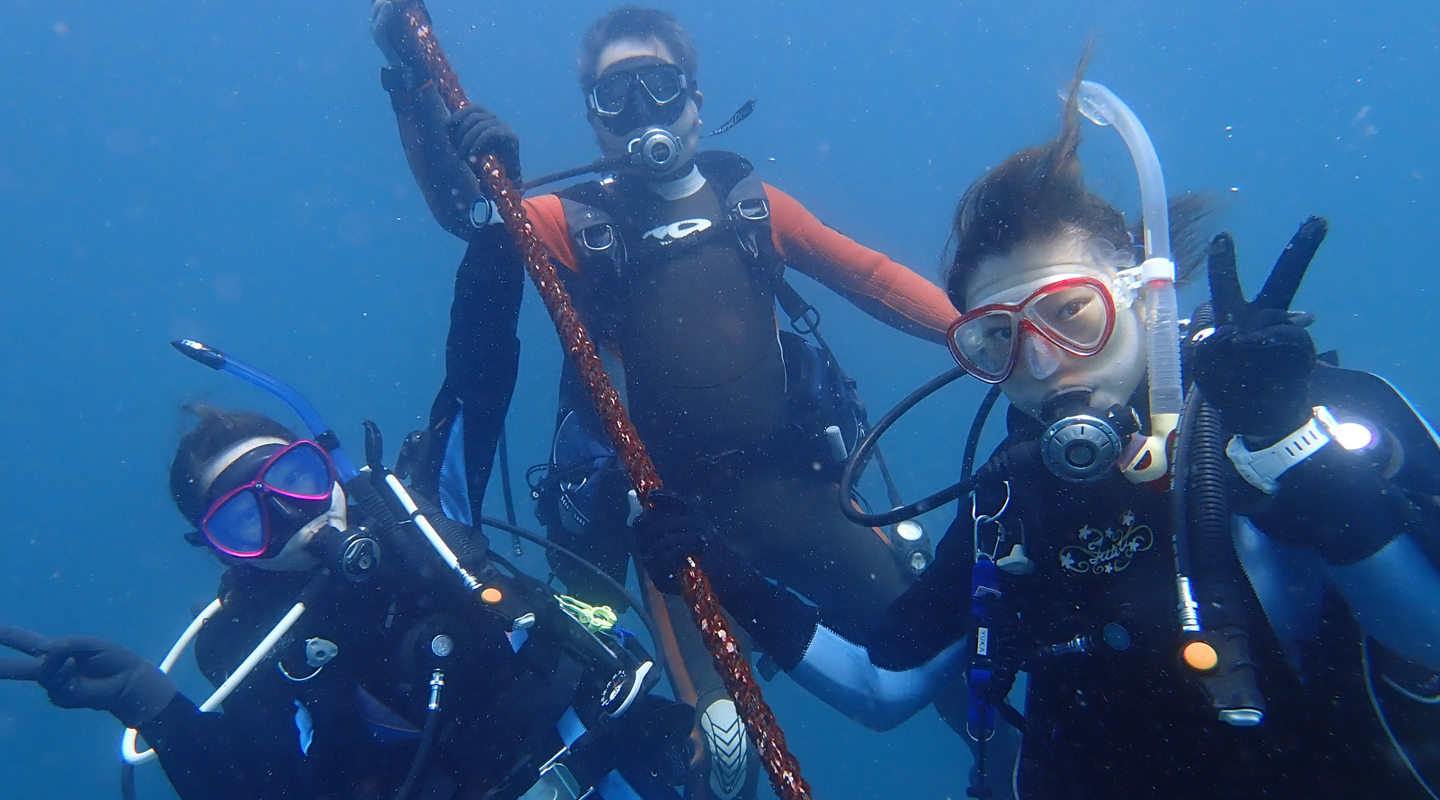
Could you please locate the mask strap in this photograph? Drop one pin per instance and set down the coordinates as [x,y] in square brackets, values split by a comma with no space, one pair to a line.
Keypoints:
[232,454]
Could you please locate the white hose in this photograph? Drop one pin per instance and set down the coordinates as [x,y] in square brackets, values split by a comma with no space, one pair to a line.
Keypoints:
[1162,316]
[432,535]
[128,742]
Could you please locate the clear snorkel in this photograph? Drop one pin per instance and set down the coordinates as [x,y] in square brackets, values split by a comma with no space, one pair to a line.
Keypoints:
[1157,273]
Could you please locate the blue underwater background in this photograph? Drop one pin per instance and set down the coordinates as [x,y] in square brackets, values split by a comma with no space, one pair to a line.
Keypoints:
[231,172]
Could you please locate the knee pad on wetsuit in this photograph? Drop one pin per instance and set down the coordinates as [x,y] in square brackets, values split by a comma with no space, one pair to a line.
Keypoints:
[726,744]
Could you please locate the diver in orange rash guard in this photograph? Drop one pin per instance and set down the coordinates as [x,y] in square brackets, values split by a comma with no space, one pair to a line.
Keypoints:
[674,259]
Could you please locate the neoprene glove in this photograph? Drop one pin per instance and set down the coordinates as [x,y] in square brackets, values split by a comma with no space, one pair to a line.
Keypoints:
[1339,502]
[477,133]
[391,33]
[669,532]
[1255,366]
[87,672]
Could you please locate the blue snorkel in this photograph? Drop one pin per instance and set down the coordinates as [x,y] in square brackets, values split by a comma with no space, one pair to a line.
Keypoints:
[326,438]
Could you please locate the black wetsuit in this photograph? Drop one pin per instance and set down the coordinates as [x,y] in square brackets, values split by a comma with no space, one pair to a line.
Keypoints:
[352,728]
[723,401]
[1112,722]
[482,359]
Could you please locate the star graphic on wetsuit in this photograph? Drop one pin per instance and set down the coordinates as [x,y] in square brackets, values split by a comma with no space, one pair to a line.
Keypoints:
[1086,532]
[1067,561]
[1127,519]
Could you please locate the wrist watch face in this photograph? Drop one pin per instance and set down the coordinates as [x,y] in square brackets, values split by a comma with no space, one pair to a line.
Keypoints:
[482,212]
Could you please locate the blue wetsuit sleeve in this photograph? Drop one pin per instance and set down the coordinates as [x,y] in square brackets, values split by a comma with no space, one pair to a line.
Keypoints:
[917,650]
[482,356]
[1380,544]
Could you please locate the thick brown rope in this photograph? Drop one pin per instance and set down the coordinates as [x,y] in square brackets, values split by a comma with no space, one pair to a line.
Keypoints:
[730,661]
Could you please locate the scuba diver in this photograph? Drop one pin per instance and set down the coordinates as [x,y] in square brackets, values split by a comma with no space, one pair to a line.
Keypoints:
[381,678]
[1252,613]
[675,259]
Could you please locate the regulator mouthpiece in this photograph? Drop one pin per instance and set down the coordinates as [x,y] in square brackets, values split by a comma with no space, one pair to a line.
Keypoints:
[657,150]
[1084,443]
[354,553]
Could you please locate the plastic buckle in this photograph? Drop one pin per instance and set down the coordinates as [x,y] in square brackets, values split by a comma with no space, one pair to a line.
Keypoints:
[555,782]
[808,322]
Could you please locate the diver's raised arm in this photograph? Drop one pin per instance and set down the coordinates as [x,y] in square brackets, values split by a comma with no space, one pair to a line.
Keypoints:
[879,286]
[1328,459]
[436,145]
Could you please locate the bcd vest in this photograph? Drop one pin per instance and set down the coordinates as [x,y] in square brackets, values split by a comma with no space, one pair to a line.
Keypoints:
[684,290]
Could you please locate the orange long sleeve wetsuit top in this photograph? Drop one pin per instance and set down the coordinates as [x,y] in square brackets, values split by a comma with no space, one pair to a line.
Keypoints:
[885,290]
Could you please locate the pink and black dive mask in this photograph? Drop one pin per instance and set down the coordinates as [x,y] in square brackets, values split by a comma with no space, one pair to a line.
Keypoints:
[267,495]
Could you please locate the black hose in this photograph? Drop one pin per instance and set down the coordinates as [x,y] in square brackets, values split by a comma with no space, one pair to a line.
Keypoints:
[1212,558]
[977,427]
[584,562]
[1212,541]
[1205,552]
[855,464]
[422,755]
[594,166]
[503,453]
[127,780]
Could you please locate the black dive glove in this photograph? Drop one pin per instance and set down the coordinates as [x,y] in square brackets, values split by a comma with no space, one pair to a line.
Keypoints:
[87,672]
[670,531]
[1254,368]
[1339,502]
[477,133]
[405,69]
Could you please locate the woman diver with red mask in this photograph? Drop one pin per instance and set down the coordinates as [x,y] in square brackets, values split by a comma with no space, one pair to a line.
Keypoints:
[1251,613]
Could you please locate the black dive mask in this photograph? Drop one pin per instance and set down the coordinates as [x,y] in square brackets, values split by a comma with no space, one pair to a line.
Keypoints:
[1083,443]
[638,93]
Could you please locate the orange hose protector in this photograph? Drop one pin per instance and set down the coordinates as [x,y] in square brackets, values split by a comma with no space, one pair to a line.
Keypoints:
[730,663]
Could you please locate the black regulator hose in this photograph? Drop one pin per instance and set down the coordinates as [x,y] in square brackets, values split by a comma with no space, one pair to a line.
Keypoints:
[411,784]
[855,465]
[1216,567]
[1206,552]
[977,427]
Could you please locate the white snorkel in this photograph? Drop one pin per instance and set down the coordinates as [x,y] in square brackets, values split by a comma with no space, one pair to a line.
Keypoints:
[1157,273]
